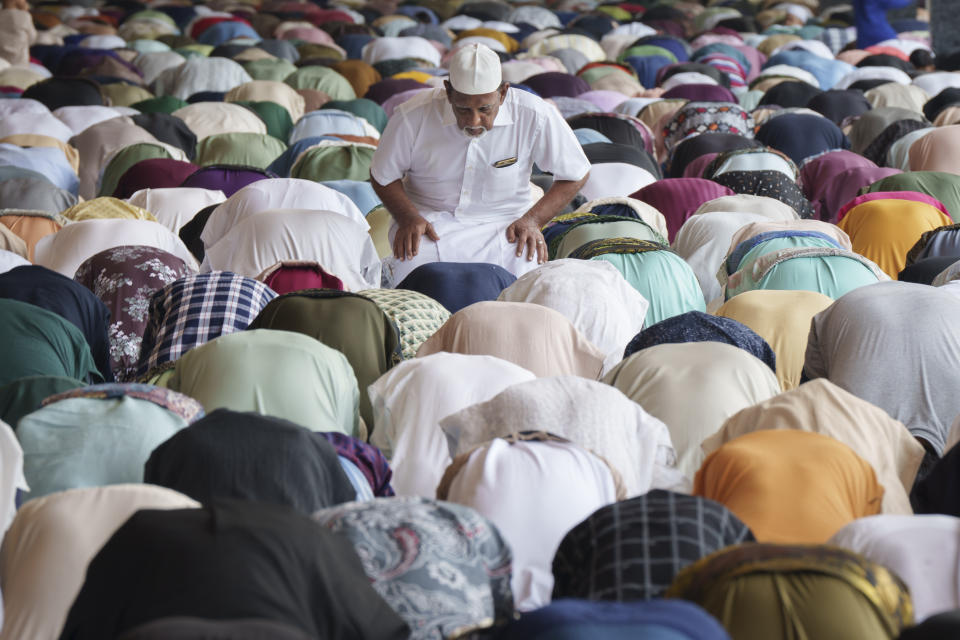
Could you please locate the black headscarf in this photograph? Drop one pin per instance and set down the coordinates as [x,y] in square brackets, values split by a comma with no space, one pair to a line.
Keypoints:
[924,271]
[229,560]
[70,300]
[169,129]
[772,184]
[230,454]
[616,129]
[790,94]
[182,628]
[943,626]
[877,150]
[696,326]
[939,490]
[694,67]
[869,83]
[801,135]
[887,60]
[601,152]
[692,148]
[838,104]
[632,550]
[946,98]
[65,92]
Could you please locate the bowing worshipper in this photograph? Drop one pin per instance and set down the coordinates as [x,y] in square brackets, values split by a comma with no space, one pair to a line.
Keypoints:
[454,165]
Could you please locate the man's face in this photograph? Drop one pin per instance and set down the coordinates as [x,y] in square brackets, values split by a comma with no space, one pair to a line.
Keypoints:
[475,114]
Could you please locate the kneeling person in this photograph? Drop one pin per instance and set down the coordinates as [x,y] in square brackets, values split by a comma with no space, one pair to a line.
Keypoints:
[454,165]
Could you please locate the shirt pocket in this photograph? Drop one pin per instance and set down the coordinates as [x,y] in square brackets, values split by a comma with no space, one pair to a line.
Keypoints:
[501,183]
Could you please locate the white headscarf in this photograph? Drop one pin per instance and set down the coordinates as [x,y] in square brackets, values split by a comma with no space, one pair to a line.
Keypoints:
[591,414]
[534,492]
[703,241]
[592,295]
[614,179]
[923,550]
[410,400]
[11,475]
[66,249]
[278,193]
[10,260]
[341,246]
[176,206]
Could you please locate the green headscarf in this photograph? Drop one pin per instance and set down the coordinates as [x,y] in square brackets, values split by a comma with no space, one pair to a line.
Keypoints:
[363,107]
[277,373]
[239,149]
[37,342]
[24,396]
[350,323]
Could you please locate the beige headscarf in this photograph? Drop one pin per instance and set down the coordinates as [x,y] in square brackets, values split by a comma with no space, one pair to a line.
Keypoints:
[726,379]
[746,203]
[756,228]
[17,33]
[9,241]
[950,115]
[98,143]
[534,337]
[782,318]
[822,407]
[938,150]
[270,91]
[45,553]
[893,94]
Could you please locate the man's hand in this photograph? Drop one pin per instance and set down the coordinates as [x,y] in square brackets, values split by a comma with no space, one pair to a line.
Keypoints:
[526,233]
[406,243]
[16,4]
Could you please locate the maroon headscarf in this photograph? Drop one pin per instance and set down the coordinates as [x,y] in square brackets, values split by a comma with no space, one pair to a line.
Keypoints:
[678,198]
[155,173]
[846,185]
[818,172]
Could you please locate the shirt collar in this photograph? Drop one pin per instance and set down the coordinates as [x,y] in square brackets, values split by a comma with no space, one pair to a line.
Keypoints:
[504,115]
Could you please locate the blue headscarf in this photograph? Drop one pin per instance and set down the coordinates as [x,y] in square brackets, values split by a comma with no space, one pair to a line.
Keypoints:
[586,620]
[456,285]
[696,326]
[827,72]
[361,192]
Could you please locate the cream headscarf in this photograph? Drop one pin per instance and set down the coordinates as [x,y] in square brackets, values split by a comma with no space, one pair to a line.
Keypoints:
[534,337]
[45,553]
[723,378]
[593,415]
[822,407]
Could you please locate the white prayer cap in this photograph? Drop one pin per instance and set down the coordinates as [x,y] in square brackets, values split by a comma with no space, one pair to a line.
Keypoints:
[475,69]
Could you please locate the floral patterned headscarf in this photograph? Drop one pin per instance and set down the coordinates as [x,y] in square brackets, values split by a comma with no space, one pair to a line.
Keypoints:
[442,567]
[124,278]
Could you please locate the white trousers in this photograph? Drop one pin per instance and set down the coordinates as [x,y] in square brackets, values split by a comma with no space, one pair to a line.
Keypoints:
[461,240]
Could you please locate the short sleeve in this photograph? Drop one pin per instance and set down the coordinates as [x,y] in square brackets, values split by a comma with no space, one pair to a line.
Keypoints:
[557,149]
[391,161]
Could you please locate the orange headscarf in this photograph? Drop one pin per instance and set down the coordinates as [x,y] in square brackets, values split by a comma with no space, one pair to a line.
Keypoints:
[789,486]
[885,230]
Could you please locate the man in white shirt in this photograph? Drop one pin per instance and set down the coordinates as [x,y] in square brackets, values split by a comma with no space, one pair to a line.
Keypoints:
[454,165]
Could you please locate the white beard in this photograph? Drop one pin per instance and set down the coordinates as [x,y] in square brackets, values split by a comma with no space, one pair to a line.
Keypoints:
[473,137]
